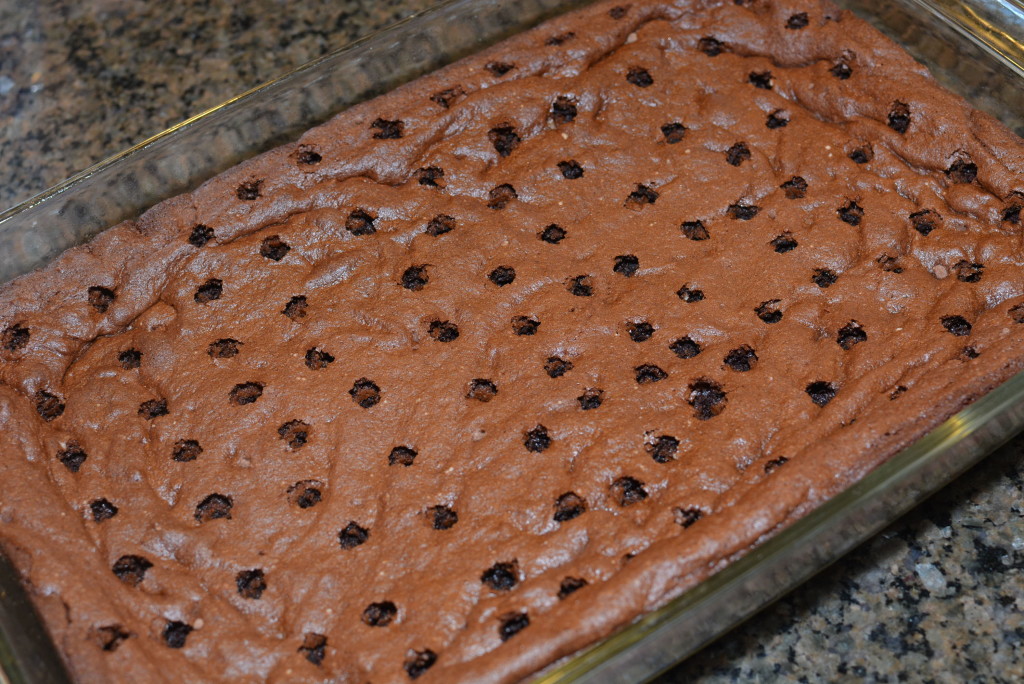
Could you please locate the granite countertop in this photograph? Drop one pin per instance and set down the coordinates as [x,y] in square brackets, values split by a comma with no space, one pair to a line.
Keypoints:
[939,596]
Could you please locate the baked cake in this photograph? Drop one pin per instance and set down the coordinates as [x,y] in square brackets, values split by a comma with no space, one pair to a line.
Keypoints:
[481,370]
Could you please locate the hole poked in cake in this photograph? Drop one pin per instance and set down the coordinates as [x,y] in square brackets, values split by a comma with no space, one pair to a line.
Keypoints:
[1016,313]
[761,79]
[131,569]
[175,633]
[685,347]
[968,271]
[209,291]
[318,359]
[641,195]
[711,46]
[841,70]
[821,392]
[418,662]
[430,176]
[226,348]
[353,535]
[824,277]
[48,405]
[200,235]
[690,295]
[504,139]
[525,325]
[956,325]
[850,335]
[387,129]
[925,221]
[662,448]
[110,637]
[737,154]
[446,97]
[186,450]
[784,243]
[250,190]
[251,583]
[686,517]
[481,389]
[742,211]
[580,286]
[648,373]
[560,39]
[360,222]
[443,331]
[563,110]
[307,155]
[14,337]
[502,276]
[402,455]
[556,366]
[153,408]
[314,648]
[673,132]
[618,12]
[380,614]
[591,399]
[851,213]
[537,439]
[101,298]
[72,456]
[365,393]
[862,154]
[694,230]
[741,359]
[570,169]
[774,464]
[502,576]
[776,119]
[899,117]
[511,624]
[552,234]
[295,433]
[568,506]
[626,265]
[639,76]
[245,393]
[306,493]
[795,188]
[889,264]
[639,331]
[102,510]
[415,278]
[214,507]
[627,491]
[768,311]
[962,171]
[442,517]
[570,585]
[296,308]
[707,398]
[130,359]
[797,21]
[499,68]
[501,195]
[274,248]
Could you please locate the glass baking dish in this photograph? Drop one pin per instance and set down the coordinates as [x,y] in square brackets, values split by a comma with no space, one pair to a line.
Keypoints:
[974,47]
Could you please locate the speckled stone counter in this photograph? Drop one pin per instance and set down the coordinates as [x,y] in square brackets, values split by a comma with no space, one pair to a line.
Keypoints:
[939,596]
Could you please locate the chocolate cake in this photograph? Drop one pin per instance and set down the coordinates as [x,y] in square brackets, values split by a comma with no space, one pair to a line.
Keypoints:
[482,370]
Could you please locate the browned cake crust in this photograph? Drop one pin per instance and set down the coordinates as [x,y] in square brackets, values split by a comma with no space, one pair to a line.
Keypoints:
[597,309]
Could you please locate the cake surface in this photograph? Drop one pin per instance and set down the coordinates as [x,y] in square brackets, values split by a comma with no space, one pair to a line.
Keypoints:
[483,369]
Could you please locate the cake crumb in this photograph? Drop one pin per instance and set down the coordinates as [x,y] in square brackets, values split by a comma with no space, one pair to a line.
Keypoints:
[631,38]
[940,272]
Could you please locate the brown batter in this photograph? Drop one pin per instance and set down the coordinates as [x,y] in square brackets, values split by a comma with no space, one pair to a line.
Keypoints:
[483,369]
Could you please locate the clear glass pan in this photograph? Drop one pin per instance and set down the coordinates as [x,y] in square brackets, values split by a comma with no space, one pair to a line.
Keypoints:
[975,47]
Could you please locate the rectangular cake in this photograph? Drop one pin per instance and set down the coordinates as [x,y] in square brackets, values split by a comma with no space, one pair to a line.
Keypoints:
[484,369]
